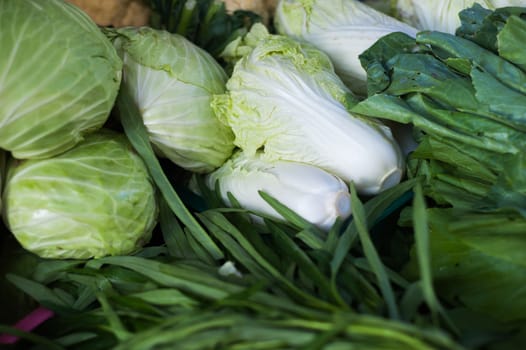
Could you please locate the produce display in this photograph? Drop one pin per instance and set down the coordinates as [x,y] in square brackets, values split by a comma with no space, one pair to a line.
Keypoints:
[292,174]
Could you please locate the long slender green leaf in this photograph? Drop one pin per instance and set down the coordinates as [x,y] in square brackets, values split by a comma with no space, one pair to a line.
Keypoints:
[137,134]
[421,228]
[375,210]
[39,292]
[288,214]
[372,256]
[223,224]
[115,323]
[422,248]
[173,233]
[189,279]
[311,271]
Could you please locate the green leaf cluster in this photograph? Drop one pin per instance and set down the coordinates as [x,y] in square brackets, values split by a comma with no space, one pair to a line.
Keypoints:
[465,96]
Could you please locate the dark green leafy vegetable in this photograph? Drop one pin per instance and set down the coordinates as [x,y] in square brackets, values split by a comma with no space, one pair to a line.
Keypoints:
[465,96]
[468,104]
[204,22]
[502,31]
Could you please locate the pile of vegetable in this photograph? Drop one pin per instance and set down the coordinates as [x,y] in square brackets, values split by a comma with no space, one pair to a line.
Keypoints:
[346,174]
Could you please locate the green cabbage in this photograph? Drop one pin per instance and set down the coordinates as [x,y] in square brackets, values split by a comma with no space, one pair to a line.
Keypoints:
[172,81]
[93,200]
[59,77]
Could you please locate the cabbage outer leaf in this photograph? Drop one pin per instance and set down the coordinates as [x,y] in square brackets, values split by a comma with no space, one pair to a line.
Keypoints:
[172,81]
[59,77]
[94,200]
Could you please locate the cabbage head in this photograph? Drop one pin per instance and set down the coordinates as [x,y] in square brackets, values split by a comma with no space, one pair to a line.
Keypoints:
[59,77]
[284,100]
[172,81]
[93,200]
[442,15]
[343,29]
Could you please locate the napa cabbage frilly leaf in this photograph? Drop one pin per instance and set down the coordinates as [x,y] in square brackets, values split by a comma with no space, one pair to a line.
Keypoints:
[285,100]
[343,29]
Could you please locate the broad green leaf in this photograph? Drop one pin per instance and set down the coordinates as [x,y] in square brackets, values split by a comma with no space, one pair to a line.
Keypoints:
[510,40]
[508,104]
[478,260]
[447,46]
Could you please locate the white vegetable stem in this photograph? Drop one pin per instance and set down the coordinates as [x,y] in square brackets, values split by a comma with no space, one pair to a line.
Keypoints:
[311,192]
